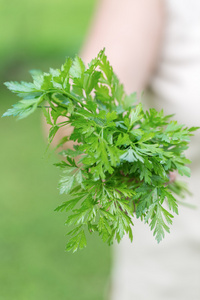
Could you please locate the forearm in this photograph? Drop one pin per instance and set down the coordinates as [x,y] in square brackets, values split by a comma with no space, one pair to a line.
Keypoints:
[131,31]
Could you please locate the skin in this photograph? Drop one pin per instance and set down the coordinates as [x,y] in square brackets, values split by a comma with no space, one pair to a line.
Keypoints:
[131,31]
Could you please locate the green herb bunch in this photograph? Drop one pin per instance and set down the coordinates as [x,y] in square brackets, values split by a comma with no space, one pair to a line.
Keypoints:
[125,155]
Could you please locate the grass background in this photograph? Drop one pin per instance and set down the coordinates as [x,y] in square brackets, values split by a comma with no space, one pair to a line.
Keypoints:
[33,263]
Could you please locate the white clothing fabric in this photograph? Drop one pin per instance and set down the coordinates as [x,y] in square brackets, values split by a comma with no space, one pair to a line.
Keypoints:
[170,270]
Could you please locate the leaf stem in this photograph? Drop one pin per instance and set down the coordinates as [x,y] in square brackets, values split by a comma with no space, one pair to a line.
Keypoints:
[70,96]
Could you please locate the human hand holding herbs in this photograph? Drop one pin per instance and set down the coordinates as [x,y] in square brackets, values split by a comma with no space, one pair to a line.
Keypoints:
[125,154]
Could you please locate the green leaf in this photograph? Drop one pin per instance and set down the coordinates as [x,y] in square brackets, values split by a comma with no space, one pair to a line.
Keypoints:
[123,139]
[47,82]
[146,137]
[47,115]
[65,68]
[158,213]
[68,205]
[90,81]
[77,68]
[37,76]
[136,114]
[103,94]
[130,100]
[77,242]
[117,90]
[66,184]
[79,177]
[131,156]
[104,228]
[22,109]
[111,116]
[23,87]
[183,170]
[171,202]
[106,68]
[52,133]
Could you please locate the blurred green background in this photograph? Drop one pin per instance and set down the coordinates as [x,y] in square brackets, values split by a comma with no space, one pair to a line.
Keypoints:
[33,263]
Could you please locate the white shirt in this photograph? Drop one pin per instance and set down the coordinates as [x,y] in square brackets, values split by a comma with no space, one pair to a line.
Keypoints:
[171,270]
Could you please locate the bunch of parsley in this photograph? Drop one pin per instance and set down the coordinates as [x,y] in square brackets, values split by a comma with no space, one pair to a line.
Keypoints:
[125,155]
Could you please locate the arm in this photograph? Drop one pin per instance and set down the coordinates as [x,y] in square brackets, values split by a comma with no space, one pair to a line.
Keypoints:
[131,31]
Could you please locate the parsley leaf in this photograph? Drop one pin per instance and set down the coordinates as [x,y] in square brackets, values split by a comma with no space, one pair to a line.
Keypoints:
[122,163]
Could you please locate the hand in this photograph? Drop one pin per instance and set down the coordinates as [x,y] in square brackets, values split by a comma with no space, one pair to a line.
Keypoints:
[172,177]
